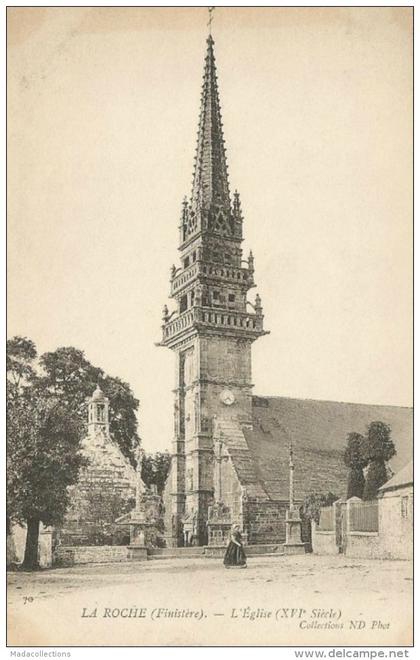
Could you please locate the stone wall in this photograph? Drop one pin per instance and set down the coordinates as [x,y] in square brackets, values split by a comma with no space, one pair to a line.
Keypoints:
[224,363]
[204,368]
[394,538]
[265,520]
[251,550]
[223,358]
[323,543]
[105,491]
[100,554]
[16,541]
[396,523]
[364,545]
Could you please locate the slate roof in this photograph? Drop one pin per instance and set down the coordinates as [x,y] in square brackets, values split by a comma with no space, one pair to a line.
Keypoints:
[318,431]
[403,478]
[243,459]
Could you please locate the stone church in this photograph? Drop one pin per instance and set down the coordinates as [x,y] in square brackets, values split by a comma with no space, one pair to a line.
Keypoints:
[106,487]
[230,456]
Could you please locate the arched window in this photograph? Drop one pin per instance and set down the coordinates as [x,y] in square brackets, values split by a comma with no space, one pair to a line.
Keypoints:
[100,412]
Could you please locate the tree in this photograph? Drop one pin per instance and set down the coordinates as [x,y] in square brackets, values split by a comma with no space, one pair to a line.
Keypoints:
[20,357]
[313,503]
[46,416]
[155,469]
[122,415]
[43,459]
[355,460]
[378,448]
[68,374]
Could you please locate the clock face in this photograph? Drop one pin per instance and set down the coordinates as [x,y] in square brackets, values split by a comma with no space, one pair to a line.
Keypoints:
[227,397]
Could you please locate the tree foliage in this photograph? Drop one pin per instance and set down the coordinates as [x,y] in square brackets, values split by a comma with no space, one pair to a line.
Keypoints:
[43,459]
[20,358]
[379,445]
[46,420]
[378,448]
[355,459]
[313,503]
[375,478]
[366,457]
[68,374]
[155,469]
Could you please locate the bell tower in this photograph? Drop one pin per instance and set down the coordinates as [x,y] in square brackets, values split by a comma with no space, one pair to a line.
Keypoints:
[98,414]
[213,325]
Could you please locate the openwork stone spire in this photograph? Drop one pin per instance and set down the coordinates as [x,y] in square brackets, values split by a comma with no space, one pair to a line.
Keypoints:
[210,183]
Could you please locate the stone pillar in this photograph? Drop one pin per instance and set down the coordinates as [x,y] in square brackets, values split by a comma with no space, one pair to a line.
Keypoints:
[140,486]
[352,502]
[144,517]
[293,545]
[339,510]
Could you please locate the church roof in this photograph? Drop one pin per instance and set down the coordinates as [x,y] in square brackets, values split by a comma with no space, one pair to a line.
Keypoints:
[403,478]
[210,181]
[317,430]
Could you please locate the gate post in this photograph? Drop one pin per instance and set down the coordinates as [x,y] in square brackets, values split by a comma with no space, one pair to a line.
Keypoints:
[338,507]
[352,502]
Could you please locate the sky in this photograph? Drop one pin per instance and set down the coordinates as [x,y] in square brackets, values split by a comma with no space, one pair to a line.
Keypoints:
[103,108]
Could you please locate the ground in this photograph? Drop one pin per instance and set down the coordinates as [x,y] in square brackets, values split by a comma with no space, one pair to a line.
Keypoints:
[277,600]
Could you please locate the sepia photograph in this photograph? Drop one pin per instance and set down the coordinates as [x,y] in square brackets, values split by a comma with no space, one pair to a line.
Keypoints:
[209,398]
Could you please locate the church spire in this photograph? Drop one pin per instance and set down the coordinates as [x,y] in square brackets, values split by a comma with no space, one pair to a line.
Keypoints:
[210,190]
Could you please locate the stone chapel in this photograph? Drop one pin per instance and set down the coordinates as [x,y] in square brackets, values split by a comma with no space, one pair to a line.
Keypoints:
[106,487]
[230,456]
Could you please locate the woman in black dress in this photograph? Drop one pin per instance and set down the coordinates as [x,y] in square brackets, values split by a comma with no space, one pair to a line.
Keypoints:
[235,555]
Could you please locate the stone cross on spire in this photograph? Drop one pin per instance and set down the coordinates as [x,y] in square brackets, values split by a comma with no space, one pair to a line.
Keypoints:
[210,21]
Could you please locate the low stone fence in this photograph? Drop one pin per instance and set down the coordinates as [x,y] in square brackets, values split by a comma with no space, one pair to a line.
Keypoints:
[323,541]
[364,545]
[326,519]
[362,533]
[250,550]
[350,527]
[103,554]
[89,554]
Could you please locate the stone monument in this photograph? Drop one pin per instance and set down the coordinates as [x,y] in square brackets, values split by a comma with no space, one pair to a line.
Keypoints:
[294,544]
[219,520]
[143,519]
[219,524]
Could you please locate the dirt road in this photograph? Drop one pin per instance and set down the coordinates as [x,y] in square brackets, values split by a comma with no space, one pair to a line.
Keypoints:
[302,600]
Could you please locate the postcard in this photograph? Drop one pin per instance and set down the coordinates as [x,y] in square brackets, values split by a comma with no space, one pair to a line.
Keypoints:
[209,356]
